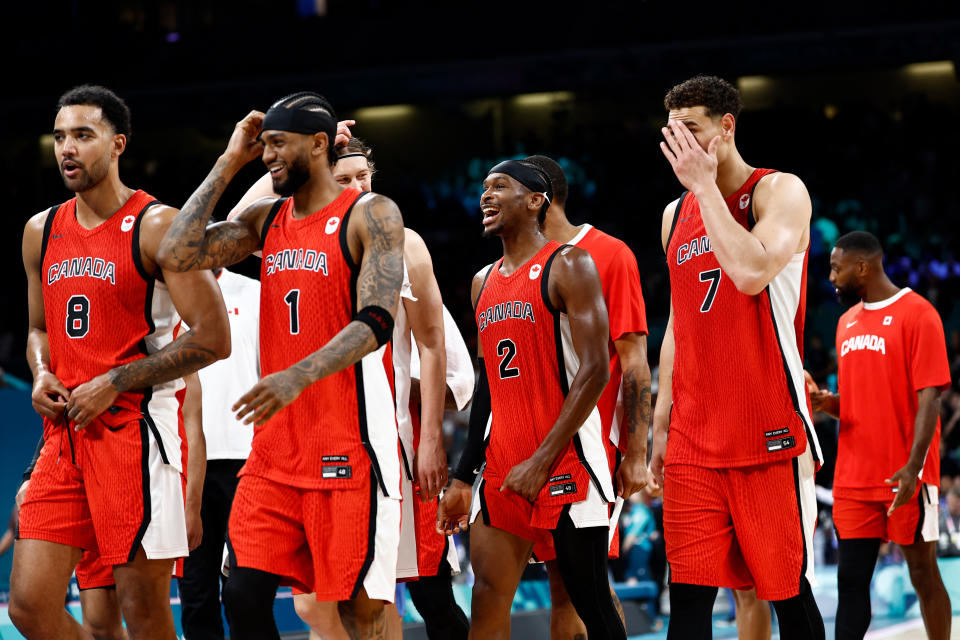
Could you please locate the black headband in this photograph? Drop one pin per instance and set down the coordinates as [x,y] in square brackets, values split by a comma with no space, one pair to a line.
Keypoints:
[299,121]
[527,175]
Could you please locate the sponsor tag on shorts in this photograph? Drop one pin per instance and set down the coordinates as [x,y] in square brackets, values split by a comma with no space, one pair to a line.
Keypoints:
[336,471]
[779,444]
[562,488]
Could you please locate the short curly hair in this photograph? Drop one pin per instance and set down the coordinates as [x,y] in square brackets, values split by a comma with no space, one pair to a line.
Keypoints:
[716,94]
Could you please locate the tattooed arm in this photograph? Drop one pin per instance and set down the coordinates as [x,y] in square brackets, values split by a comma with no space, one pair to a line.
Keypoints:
[197,298]
[375,236]
[189,244]
[637,415]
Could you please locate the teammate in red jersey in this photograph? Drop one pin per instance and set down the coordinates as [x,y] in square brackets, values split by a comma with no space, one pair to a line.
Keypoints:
[107,371]
[624,434]
[542,320]
[317,506]
[892,366]
[427,558]
[739,461]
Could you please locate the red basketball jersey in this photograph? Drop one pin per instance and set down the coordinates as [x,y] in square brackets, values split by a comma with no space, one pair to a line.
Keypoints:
[530,363]
[103,310]
[344,426]
[739,397]
[887,351]
[620,279]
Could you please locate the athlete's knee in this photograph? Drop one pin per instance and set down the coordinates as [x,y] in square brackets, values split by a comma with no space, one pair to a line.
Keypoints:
[249,592]
[28,613]
[103,630]
[362,610]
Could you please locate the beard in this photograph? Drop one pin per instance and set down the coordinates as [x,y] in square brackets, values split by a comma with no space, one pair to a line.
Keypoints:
[298,172]
[90,176]
[848,296]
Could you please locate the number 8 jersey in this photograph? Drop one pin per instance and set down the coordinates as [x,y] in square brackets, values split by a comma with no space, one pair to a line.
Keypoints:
[341,428]
[530,364]
[739,397]
[102,309]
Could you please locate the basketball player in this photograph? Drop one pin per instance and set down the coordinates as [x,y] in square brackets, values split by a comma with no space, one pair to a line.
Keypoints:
[739,462]
[542,320]
[892,366]
[625,436]
[423,554]
[317,506]
[107,371]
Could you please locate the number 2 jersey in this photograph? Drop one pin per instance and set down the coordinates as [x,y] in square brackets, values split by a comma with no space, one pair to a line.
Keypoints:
[530,361]
[102,310]
[342,428]
[739,397]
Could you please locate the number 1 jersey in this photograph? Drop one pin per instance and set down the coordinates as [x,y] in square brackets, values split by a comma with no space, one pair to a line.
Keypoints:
[341,428]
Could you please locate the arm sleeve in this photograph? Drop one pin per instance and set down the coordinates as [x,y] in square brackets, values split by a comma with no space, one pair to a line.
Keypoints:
[623,295]
[929,366]
[33,463]
[472,457]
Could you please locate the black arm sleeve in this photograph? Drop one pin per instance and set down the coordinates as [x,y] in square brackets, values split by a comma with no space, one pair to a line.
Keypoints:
[472,456]
[33,463]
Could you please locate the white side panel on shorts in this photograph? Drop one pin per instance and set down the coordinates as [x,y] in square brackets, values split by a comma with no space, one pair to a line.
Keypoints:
[930,532]
[166,534]
[163,406]
[407,566]
[591,438]
[808,506]
[380,583]
[381,419]
[784,292]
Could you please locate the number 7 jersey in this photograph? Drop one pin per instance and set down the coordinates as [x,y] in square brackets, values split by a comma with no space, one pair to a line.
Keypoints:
[343,428]
[739,397]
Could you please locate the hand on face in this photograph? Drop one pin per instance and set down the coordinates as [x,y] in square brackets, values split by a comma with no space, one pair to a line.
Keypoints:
[695,168]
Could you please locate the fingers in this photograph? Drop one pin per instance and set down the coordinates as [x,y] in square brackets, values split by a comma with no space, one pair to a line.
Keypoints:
[898,502]
[712,147]
[671,141]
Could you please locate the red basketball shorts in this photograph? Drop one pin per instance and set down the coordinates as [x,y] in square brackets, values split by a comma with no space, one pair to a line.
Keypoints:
[743,527]
[514,514]
[106,489]
[916,521]
[422,549]
[328,542]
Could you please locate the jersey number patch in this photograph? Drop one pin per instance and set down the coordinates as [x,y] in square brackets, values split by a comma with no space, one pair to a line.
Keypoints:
[507,352]
[293,301]
[78,316]
[714,277]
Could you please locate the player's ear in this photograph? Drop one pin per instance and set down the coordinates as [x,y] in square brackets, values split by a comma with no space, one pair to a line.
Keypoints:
[320,144]
[728,125]
[119,145]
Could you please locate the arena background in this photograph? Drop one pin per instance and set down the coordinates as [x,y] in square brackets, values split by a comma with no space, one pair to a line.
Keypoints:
[862,101]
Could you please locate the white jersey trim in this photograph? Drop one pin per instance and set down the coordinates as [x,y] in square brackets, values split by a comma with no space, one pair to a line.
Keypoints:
[163,406]
[873,306]
[591,432]
[784,291]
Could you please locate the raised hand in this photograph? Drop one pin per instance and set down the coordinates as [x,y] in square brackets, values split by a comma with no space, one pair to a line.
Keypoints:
[694,167]
[245,143]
